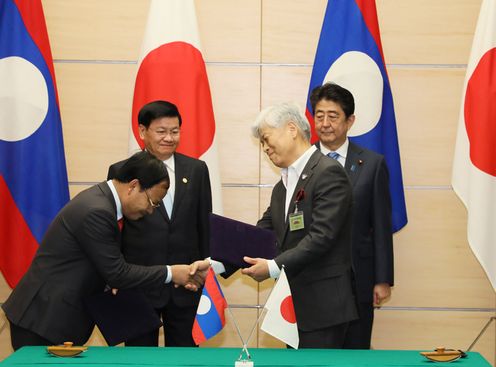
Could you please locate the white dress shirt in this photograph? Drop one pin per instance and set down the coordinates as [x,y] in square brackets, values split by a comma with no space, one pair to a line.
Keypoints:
[342,151]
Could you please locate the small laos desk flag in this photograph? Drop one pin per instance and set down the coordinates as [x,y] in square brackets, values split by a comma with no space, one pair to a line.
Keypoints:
[349,53]
[210,318]
[280,320]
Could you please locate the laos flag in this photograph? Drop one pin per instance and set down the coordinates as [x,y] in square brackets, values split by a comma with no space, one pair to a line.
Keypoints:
[210,318]
[349,53]
[33,176]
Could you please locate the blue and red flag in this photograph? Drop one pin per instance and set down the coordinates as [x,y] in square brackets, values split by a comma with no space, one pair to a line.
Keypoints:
[350,54]
[210,318]
[33,176]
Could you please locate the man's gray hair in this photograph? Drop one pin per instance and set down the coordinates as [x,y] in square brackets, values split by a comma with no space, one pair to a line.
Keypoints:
[279,115]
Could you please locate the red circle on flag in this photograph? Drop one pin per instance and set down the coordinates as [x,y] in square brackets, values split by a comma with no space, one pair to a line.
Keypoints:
[287,310]
[175,72]
[480,113]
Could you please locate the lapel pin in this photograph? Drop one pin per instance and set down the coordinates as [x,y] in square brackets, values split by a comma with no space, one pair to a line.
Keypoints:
[185,180]
[304,176]
[360,162]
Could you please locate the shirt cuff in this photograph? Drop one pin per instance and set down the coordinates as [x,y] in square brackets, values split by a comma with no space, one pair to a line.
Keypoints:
[169,275]
[217,266]
[274,270]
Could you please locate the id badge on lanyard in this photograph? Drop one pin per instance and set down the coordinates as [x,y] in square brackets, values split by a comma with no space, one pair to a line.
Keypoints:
[296,219]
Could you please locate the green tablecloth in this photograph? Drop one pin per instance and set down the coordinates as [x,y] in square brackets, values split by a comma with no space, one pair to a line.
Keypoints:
[136,356]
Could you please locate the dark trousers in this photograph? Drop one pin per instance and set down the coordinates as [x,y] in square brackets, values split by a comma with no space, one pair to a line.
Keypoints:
[178,324]
[20,337]
[328,338]
[359,332]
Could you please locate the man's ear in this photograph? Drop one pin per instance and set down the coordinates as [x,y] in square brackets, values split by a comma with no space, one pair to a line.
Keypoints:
[293,129]
[132,185]
[142,129]
[350,121]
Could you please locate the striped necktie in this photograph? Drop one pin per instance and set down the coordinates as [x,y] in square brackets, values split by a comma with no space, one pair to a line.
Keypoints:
[333,155]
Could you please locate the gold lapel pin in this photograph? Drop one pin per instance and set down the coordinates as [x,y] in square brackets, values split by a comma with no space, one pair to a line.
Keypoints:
[185,180]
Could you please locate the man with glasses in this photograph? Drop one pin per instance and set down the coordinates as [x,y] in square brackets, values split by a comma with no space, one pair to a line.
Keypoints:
[372,242]
[81,254]
[178,230]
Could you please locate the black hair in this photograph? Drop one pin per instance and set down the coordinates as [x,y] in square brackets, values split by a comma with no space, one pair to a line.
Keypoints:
[155,110]
[335,93]
[144,167]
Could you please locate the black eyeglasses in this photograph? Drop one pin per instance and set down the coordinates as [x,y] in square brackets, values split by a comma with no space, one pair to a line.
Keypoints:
[153,205]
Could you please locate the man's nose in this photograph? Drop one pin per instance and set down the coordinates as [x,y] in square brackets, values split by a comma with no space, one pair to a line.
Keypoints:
[327,121]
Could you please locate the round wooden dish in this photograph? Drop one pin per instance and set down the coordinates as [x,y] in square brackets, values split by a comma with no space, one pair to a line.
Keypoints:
[442,355]
[66,350]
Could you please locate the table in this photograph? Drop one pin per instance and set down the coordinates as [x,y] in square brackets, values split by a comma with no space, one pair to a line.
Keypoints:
[165,357]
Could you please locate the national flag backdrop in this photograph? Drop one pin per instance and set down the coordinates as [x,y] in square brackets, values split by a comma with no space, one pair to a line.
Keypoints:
[280,320]
[33,176]
[210,315]
[349,53]
[171,68]
[474,165]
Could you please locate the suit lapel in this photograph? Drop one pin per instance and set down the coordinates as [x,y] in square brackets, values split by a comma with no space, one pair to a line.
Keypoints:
[162,211]
[182,173]
[305,176]
[277,209]
[103,186]
[110,197]
[354,162]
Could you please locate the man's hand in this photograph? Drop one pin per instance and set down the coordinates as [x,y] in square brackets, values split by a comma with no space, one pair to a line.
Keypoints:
[181,275]
[259,269]
[382,291]
[199,270]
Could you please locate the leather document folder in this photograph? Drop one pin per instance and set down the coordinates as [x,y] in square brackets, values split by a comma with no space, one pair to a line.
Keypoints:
[124,316]
[230,240]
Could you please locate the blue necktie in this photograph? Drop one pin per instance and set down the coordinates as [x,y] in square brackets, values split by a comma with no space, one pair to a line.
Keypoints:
[333,155]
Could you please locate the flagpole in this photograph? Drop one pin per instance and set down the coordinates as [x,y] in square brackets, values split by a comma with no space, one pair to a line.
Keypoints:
[245,344]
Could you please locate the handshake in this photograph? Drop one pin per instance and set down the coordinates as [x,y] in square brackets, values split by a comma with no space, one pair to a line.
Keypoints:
[190,276]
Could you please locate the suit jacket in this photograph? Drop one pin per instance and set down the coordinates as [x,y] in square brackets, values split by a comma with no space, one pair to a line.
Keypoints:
[372,240]
[182,239]
[78,256]
[317,258]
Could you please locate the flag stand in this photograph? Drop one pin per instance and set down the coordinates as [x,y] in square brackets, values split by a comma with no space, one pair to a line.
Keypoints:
[244,359]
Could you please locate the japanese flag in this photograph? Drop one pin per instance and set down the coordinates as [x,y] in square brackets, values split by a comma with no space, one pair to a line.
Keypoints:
[171,68]
[474,165]
[280,320]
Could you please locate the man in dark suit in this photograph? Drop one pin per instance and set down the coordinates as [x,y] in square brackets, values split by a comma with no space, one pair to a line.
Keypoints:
[178,230]
[372,241]
[316,256]
[80,254]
